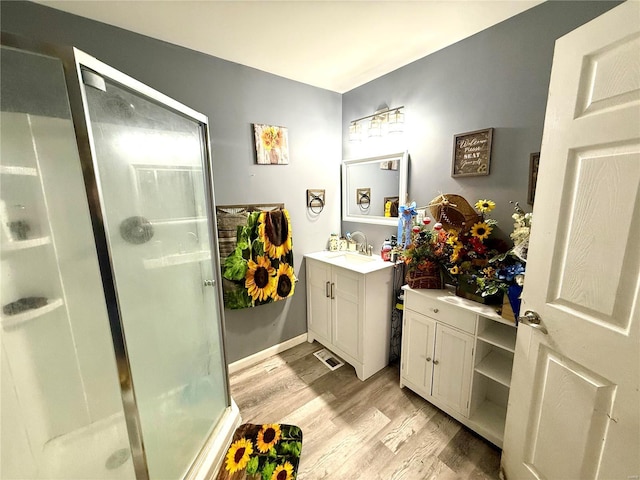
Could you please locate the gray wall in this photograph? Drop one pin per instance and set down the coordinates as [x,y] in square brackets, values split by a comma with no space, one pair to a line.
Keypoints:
[497,78]
[233,97]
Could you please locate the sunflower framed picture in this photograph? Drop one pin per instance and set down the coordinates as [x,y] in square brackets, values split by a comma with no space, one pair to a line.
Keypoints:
[272,144]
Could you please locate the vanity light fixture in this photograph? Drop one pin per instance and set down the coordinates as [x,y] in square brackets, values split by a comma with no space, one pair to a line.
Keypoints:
[396,121]
[375,126]
[355,130]
[382,121]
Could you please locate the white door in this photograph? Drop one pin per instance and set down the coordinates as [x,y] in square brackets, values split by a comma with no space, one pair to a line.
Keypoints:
[418,339]
[452,366]
[346,294]
[319,300]
[574,406]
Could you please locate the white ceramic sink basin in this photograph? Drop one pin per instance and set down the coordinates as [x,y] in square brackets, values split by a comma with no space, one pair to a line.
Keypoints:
[351,260]
[351,257]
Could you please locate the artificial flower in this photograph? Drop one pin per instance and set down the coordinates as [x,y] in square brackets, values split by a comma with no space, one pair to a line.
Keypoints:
[489,271]
[238,455]
[481,230]
[268,436]
[455,270]
[452,238]
[260,282]
[478,247]
[485,206]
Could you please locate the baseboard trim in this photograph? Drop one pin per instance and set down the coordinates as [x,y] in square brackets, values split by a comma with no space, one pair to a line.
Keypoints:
[264,354]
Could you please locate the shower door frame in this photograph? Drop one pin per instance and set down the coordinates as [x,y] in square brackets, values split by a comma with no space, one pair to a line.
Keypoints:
[73,60]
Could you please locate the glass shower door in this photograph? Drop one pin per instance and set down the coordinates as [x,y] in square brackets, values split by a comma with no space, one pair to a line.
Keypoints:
[151,170]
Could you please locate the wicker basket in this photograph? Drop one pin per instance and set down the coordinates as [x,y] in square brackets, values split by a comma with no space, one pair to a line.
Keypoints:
[428,275]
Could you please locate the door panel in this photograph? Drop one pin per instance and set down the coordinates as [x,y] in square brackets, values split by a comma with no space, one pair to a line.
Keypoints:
[572,395]
[593,275]
[452,373]
[573,405]
[417,350]
[346,324]
[319,308]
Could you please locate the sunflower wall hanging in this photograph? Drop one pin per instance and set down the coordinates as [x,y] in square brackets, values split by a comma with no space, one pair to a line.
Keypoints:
[263,452]
[260,269]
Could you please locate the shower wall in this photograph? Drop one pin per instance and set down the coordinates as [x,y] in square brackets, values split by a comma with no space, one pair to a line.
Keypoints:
[59,368]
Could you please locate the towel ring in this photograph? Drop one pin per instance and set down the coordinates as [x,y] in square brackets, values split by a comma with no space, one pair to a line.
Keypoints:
[316,204]
[364,202]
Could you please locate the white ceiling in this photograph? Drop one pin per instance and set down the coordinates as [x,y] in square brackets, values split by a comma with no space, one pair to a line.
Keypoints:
[336,45]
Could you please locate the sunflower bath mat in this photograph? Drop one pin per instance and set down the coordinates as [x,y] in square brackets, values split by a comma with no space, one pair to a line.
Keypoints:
[263,452]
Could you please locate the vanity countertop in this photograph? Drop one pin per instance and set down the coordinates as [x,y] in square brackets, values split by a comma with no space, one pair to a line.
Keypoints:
[354,261]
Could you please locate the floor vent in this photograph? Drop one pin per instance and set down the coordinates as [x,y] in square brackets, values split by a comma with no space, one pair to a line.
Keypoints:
[329,359]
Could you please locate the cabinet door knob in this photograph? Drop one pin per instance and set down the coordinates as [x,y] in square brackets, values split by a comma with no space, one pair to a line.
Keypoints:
[435,310]
[332,286]
[436,362]
[428,359]
[327,289]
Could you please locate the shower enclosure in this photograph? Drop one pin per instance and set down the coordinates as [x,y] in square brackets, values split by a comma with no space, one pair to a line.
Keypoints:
[112,361]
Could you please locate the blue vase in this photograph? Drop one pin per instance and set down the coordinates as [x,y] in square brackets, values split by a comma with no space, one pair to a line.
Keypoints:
[513,293]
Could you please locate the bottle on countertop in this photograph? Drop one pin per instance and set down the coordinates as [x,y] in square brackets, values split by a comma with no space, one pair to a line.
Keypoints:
[385,253]
[333,242]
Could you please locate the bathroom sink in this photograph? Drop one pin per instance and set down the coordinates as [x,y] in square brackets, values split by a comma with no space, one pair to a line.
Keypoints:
[351,257]
[352,260]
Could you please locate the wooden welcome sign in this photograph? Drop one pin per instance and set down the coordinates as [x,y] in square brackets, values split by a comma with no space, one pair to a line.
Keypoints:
[471,153]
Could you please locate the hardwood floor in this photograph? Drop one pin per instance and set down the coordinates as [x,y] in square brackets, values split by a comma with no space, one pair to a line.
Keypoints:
[359,430]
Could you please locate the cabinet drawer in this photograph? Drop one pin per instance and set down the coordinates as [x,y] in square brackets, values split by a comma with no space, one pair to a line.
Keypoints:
[448,314]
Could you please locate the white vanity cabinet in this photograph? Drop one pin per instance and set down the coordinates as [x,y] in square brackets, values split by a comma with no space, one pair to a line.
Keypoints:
[458,355]
[349,308]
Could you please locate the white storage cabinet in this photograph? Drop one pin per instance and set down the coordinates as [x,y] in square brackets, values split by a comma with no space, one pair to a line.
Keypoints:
[458,355]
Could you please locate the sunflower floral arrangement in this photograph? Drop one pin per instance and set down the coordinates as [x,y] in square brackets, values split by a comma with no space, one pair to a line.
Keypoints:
[260,269]
[475,257]
[263,452]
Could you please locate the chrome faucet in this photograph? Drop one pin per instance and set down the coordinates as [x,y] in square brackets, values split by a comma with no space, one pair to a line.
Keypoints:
[364,248]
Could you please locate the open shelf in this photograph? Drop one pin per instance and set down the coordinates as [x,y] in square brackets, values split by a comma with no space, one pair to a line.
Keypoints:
[497,367]
[20,318]
[177,259]
[16,170]
[499,335]
[491,418]
[15,245]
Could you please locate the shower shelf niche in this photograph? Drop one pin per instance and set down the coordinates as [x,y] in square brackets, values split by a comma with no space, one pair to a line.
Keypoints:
[11,321]
[177,259]
[25,244]
[17,170]
[178,221]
